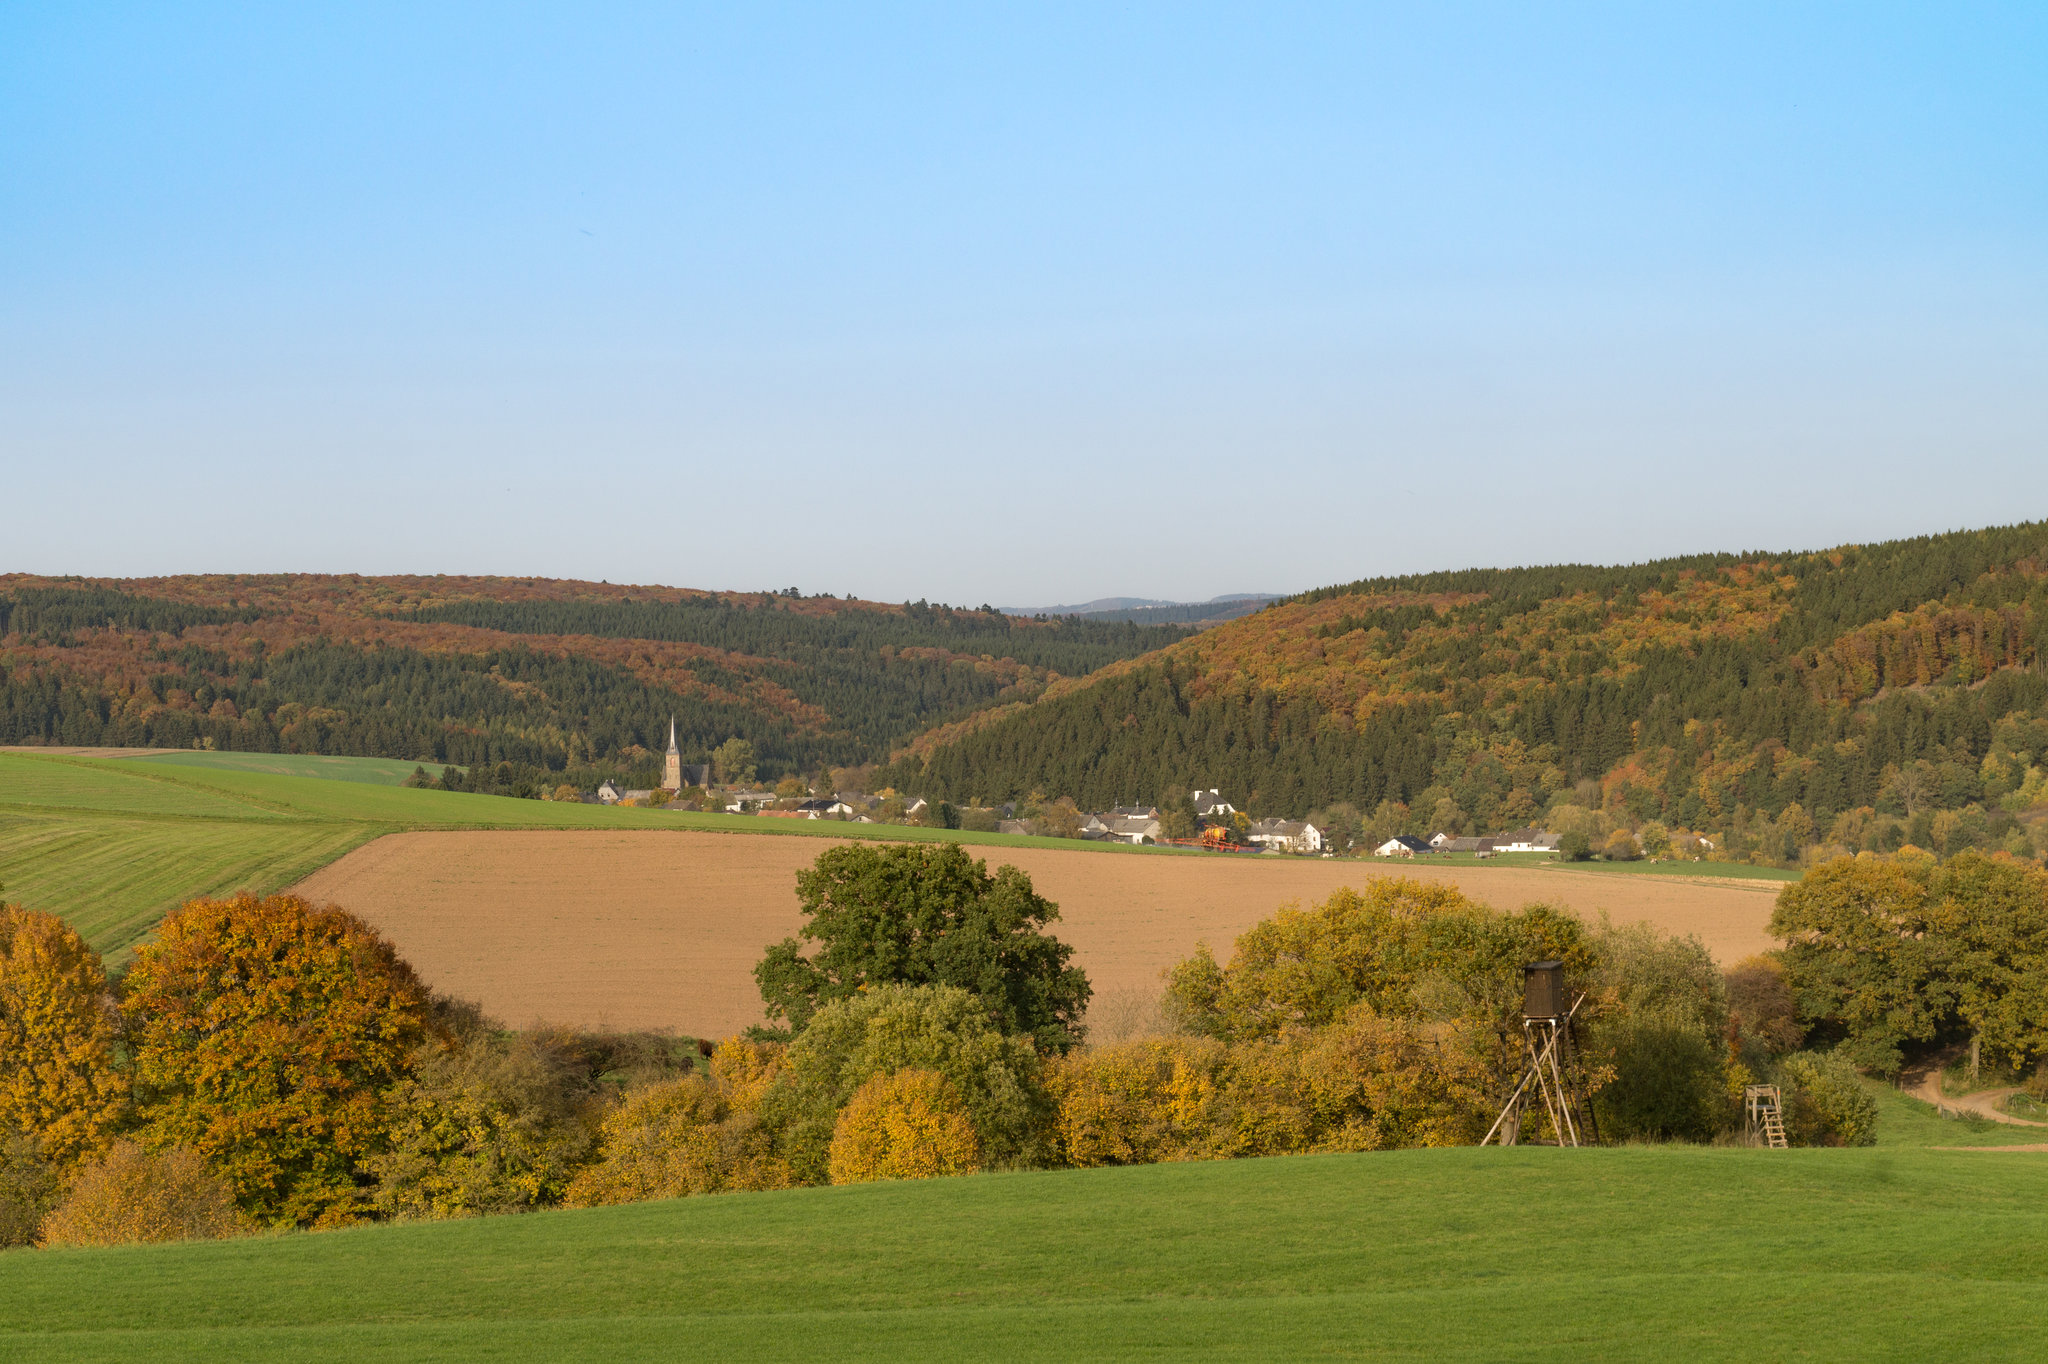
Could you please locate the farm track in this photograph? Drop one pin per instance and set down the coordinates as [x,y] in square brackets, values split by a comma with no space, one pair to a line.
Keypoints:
[1926,1087]
[662,928]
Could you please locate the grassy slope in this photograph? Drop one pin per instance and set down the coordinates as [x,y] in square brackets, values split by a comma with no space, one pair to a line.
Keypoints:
[1673,1252]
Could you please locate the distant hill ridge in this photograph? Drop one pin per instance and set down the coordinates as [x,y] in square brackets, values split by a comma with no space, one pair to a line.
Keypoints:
[542,672]
[1150,611]
[1704,689]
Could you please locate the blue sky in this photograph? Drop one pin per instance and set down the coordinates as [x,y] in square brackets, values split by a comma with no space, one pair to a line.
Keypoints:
[1018,304]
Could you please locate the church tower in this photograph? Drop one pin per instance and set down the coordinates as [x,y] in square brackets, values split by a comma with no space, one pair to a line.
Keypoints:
[672,770]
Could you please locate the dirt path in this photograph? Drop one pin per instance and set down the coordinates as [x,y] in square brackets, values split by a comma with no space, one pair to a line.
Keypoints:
[662,928]
[1925,1085]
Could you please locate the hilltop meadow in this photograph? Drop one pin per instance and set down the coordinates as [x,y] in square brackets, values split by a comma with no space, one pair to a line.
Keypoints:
[1412,1255]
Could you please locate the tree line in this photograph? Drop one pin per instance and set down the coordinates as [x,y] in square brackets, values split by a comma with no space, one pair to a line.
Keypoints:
[273,1063]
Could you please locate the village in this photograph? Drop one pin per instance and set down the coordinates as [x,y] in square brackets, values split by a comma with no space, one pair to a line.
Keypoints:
[1205,820]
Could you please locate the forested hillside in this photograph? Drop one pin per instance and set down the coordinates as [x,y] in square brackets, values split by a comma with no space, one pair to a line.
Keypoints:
[489,670]
[1768,697]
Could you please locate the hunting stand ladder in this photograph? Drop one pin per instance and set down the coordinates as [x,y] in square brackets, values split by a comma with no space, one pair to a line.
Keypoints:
[1763,1113]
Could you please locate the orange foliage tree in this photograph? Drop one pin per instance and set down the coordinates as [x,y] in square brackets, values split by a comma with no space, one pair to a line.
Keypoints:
[267,1036]
[58,1084]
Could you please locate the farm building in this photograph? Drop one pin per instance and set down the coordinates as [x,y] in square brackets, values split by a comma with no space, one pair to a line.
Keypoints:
[1483,846]
[1526,840]
[1401,845]
[1131,828]
[1286,835]
[824,807]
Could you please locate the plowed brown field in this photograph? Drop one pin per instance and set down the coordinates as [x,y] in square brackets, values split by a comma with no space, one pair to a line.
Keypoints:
[650,929]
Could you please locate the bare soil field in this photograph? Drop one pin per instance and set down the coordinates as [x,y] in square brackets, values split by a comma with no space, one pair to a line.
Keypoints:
[661,929]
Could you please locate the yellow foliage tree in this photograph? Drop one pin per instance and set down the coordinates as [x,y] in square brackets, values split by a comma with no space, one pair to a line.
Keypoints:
[908,1124]
[696,1135]
[57,1033]
[131,1195]
[744,1070]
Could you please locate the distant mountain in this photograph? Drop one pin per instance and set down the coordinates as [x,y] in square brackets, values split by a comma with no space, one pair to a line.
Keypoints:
[1152,611]
[1776,694]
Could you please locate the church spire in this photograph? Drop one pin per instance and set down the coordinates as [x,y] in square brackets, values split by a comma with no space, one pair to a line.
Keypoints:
[672,737]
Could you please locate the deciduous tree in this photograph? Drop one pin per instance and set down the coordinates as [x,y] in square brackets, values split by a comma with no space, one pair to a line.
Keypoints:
[927,914]
[58,1081]
[268,1036]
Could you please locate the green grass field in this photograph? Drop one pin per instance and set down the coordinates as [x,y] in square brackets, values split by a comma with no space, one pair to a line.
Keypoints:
[378,771]
[1627,1254]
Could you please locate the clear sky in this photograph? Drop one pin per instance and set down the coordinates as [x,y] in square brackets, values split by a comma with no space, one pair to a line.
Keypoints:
[1017,304]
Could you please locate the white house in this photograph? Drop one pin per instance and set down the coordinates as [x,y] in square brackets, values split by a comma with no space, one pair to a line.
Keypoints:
[824,808]
[1211,805]
[1526,840]
[610,793]
[1286,835]
[1438,840]
[1401,845]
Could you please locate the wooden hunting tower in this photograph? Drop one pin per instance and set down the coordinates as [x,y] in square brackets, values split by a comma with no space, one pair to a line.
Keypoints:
[1543,990]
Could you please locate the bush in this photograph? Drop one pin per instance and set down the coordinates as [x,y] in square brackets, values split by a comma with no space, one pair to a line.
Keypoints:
[269,1035]
[28,1189]
[1669,1081]
[695,1135]
[1137,1103]
[57,1033]
[908,1124]
[131,1195]
[1620,847]
[897,1027]
[1655,1020]
[1575,847]
[1825,1101]
[1363,1083]
[485,1125]
[1366,1083]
